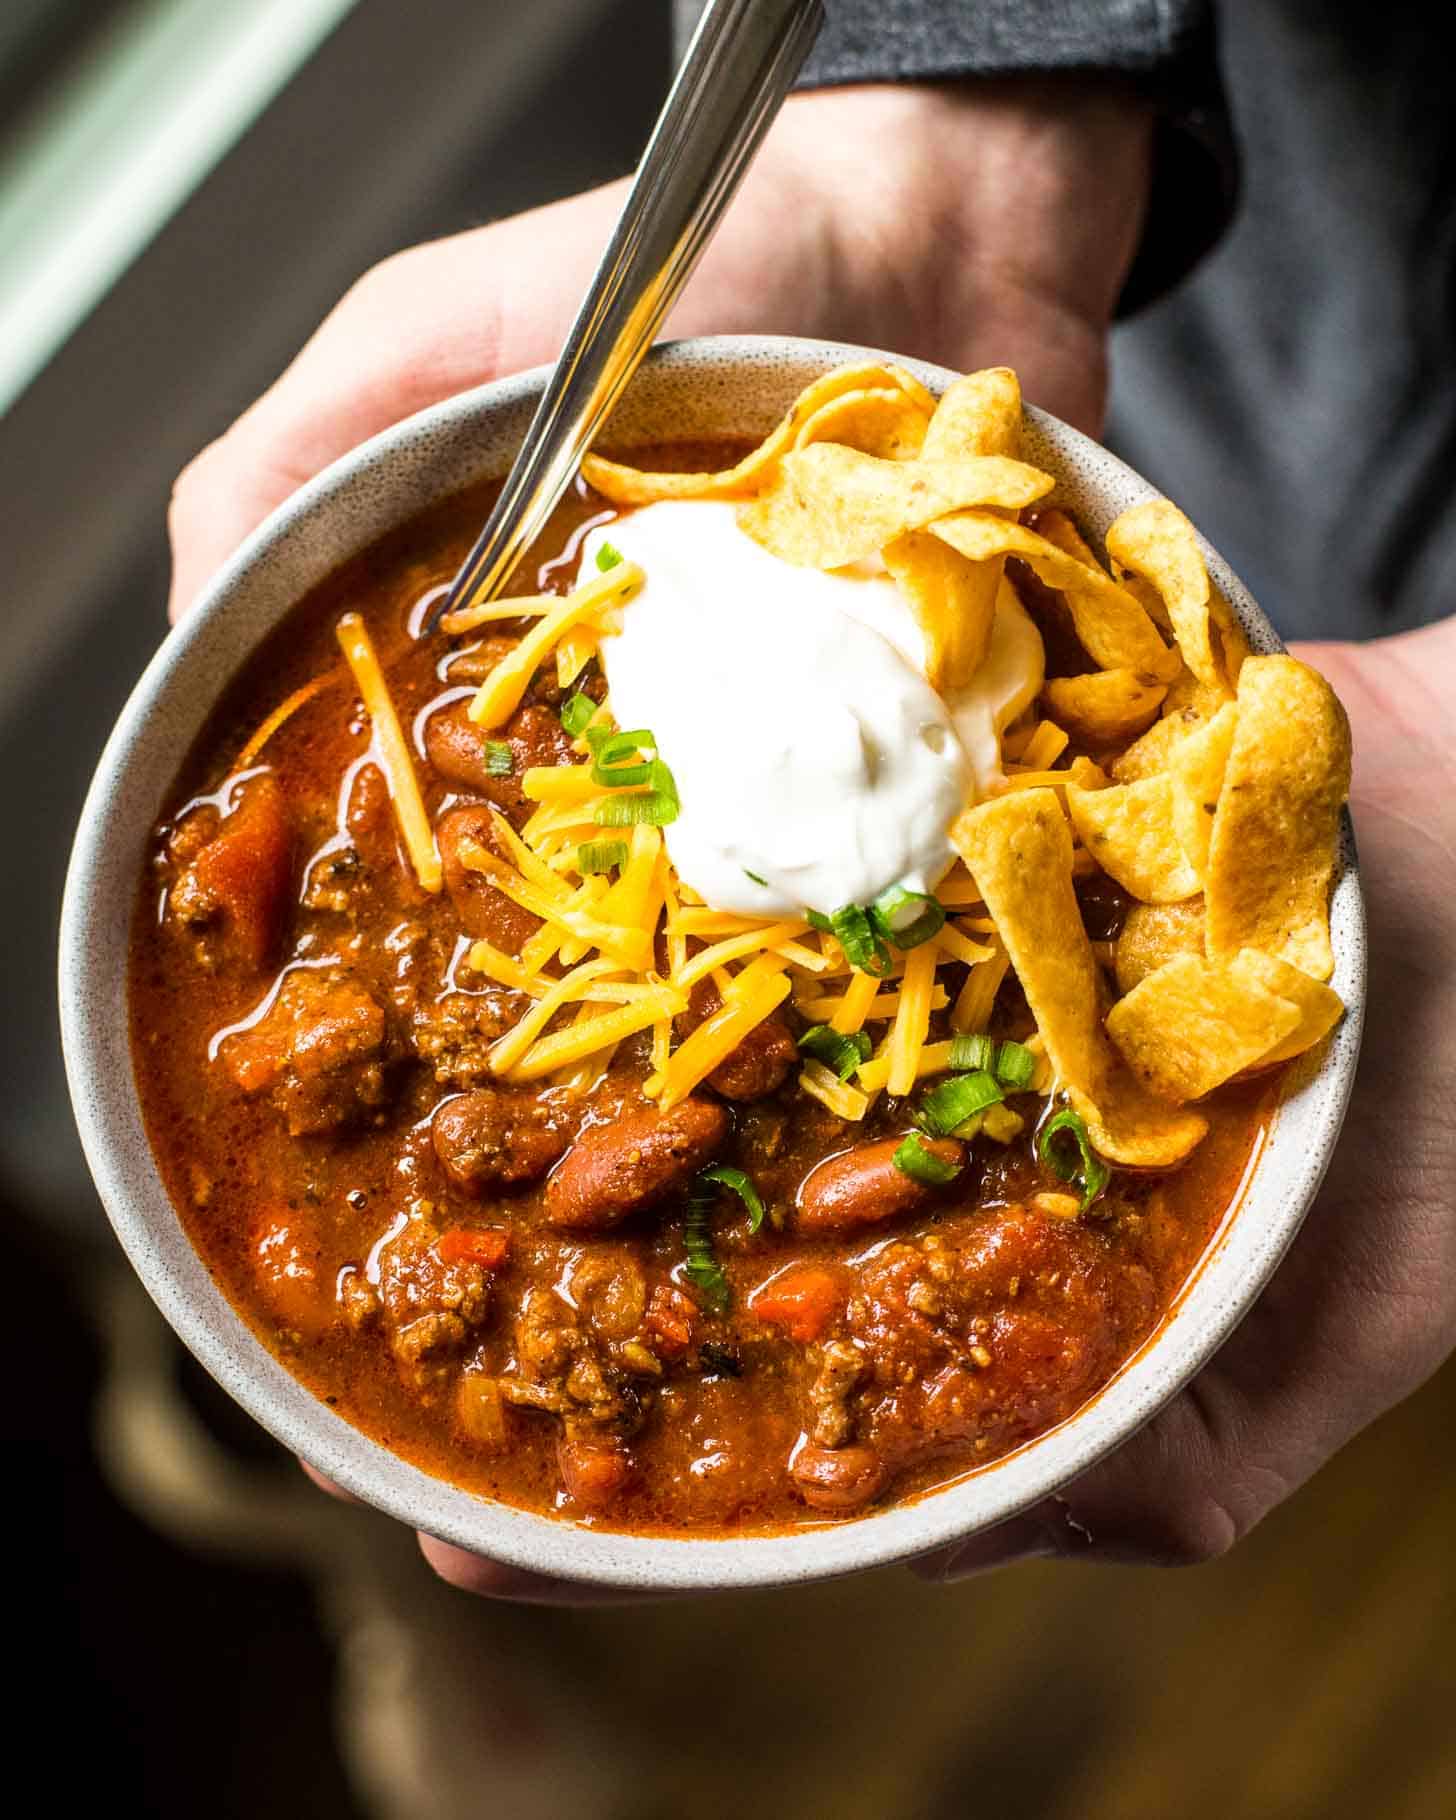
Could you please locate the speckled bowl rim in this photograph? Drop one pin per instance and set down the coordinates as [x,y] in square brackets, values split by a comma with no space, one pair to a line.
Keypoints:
[740,381]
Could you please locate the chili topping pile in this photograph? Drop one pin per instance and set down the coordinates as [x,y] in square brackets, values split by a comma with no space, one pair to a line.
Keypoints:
[767,1020]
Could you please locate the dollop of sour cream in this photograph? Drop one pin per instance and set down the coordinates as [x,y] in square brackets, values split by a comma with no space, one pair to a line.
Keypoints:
[815,764]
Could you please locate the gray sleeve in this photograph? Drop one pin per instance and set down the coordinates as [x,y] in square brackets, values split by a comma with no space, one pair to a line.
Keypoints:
[1165,47]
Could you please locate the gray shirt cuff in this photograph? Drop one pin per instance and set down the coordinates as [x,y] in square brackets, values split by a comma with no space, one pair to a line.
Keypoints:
[1164,47]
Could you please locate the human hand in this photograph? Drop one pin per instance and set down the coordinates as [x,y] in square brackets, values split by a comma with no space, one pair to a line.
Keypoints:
[1363,1309]
[955,224]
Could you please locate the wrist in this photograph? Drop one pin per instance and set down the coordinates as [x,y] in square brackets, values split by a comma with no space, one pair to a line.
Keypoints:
[1037,182]
[974,223]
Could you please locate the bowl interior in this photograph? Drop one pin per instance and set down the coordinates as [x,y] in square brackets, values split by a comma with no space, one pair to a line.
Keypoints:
[716,386]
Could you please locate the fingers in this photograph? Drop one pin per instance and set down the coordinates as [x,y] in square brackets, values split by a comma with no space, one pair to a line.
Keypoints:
[489,1579]
[328,1485]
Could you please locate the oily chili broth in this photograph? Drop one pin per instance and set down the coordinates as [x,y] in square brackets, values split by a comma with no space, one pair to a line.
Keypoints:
[283,1222]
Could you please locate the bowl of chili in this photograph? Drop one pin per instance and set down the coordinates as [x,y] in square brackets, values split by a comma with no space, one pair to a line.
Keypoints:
[719,1338]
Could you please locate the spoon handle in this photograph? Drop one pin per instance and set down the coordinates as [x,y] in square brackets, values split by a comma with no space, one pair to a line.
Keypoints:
[740,65]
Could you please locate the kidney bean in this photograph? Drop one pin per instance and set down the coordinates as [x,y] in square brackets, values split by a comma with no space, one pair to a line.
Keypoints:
[484,911]
[862,1187]
[458,750]
[837,1479]
[640,1158]
[495,1137]
[759,1065]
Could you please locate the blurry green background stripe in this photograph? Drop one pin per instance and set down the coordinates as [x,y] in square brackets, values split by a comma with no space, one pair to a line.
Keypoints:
[102,162]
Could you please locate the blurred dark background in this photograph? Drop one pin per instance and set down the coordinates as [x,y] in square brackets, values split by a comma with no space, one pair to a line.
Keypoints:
[225,1638]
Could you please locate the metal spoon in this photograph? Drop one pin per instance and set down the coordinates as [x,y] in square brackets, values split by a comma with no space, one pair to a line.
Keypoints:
[739,67]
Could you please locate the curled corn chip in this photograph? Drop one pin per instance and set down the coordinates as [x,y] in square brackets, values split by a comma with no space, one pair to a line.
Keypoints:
[1128,830]
[1320,1007]
[1275,838]
[1114,630]
[1154,540]
[827,506]
[1196,767]
[1152,752]
[979,415]
[954,598]
[1152,601]
[877,420]
[1194,1024]
[1105,707]
[954,603]
[1019,851]
[1154,933]
[632,487]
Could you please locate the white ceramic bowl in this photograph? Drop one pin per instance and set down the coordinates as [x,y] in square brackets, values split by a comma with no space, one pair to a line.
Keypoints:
[731,385]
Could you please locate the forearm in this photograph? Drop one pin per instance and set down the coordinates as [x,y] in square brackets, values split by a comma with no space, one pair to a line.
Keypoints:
[967,223]
[1164,51]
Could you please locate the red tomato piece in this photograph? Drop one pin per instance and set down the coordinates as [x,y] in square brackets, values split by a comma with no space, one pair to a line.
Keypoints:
[486,1246]
[801,1299]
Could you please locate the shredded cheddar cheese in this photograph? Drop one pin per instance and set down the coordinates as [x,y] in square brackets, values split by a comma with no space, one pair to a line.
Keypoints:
[500,694]
[626,947]
[392,751]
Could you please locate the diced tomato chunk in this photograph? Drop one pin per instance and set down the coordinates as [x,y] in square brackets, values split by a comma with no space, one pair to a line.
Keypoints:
[670,1317]
[593,1471]
[244,872]
[486,1246]
[801,1299]
[287,1262]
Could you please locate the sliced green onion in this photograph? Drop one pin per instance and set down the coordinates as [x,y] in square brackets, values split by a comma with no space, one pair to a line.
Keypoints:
[914,1160]
[906,918]
[973,1052]
[861,944]
[816,919]
[756,879]
[628,811]
[657,804]
[600,856]
[841,1053]
[1015,1065]
[609,761]
[576,711]
[500,761]
[702,1269]
[1076,1162]
[954,1101]
[597,737]
[742,1186]
[608,556]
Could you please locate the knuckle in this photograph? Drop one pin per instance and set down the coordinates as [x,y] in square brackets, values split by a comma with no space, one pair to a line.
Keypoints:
[1183,1526]
[1190,1532]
